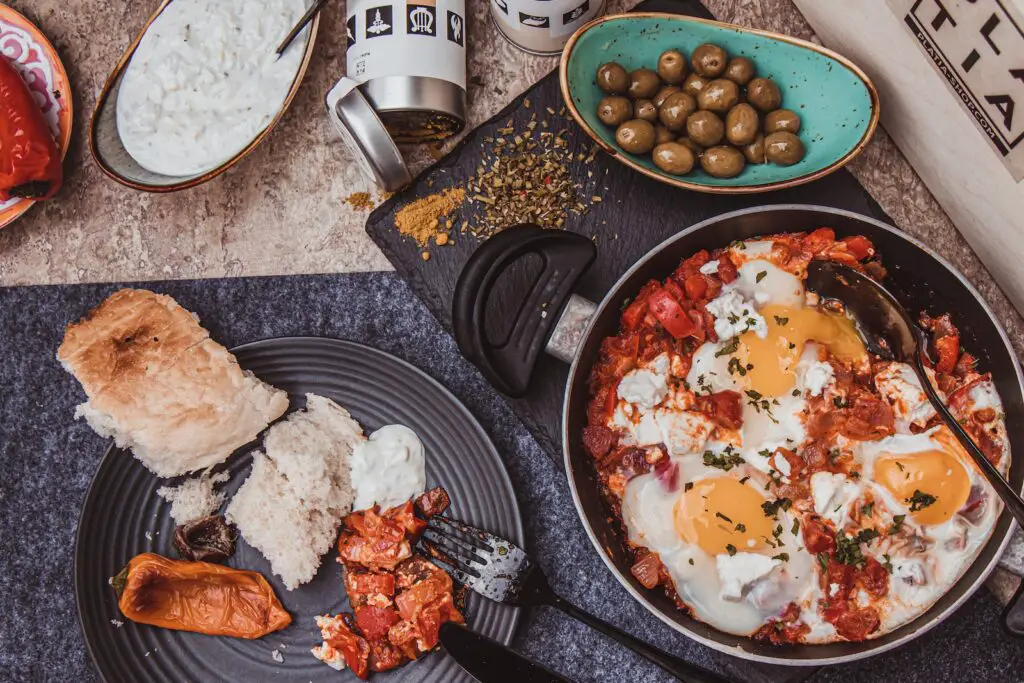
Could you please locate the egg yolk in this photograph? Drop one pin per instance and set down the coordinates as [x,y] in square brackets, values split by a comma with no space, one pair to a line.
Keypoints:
[935,473]
[775,357]
[720,512]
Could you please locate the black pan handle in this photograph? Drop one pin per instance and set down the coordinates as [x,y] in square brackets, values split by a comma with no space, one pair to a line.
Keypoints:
[509,363]
[1013,615]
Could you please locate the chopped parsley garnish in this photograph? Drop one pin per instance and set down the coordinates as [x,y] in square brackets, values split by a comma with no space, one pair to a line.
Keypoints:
[737,368]
[796,392]
[760,276]
[625,303]
[744,480]
[754,395]
[848,547]
[691,561]
[781,556]
[839,402]
[730,348]
[887,564]
[721,516]
[897,523]
[920,500]
[866,509]
[741,527]
[792,345]
[731,549]
[687,486]
[833,455]
[823,561]
[725,460]
[796,527]
[780,320]
[738,244]
[771,508]
[760,403]
[900,465]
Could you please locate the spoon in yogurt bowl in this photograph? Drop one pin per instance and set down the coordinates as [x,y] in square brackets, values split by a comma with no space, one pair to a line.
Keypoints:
[889,332]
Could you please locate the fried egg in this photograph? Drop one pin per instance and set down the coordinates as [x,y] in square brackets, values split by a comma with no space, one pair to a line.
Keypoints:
[734,565]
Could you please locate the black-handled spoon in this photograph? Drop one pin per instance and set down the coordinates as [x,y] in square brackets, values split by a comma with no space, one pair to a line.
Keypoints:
[890,333]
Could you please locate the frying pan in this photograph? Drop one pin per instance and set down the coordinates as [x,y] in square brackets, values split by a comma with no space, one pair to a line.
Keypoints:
[552,318]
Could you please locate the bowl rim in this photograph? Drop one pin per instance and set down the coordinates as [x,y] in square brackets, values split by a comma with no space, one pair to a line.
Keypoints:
[18,209]
[871,648]
[619,155]
[187,182]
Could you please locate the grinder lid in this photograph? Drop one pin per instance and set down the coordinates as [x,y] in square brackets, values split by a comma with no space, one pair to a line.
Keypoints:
[365,134]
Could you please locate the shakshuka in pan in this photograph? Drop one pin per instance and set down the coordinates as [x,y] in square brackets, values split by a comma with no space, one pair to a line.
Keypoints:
[772,476]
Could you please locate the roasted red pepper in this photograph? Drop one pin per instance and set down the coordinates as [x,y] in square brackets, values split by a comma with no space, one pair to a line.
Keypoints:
[30,163]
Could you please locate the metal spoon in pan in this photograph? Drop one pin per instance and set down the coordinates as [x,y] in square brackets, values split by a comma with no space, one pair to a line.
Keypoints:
[889,332]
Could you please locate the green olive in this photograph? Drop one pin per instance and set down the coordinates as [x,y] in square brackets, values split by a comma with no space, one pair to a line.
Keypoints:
[614,109]
[694,83]
[691,145]
[643,84]
[645,110]
[739,70]
[672,67]
[613,79]
[722,161]
[719,96]
[663,94]
[636,136]
[671,157]
[741,124]
[764,94]
[754,152]
[709,60]
[783,148]
[662,134]
[676,109]
[705,128]
[782,120]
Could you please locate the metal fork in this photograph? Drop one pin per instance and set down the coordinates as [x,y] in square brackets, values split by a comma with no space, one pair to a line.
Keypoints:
[501,571]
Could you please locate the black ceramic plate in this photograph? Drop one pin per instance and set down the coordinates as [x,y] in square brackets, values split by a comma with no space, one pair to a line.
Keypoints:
[123,516]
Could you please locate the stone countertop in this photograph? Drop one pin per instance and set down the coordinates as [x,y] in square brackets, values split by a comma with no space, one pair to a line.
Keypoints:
[283,210]
[49,460]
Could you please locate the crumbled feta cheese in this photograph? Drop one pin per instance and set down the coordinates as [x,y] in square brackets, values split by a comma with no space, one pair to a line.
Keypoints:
[734,315]
[833,588]
[782,464]
[911,572]
[276,654]
[709,268]
[738,573]
[898,384]
[816,376]
[117,623]
[683,432]
[832,495]
[644,387]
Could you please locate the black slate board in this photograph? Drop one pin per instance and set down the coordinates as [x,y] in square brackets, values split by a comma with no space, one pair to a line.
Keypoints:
[637,213]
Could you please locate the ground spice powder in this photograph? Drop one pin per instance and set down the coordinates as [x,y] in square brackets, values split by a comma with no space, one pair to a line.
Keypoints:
[422,219]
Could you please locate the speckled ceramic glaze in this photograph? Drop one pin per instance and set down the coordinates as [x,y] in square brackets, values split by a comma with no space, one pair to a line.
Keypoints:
[836,101]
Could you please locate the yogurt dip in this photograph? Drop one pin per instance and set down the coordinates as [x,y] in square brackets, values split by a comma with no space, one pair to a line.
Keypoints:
[205,81]
[388,468]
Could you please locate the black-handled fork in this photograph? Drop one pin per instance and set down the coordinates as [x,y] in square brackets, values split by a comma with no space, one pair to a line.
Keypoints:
[501,571]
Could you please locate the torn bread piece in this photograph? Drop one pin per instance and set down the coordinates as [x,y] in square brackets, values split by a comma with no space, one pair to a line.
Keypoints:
[159,385]
[299,489]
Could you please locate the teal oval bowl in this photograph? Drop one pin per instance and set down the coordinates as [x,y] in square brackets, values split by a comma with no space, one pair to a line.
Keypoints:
[836,101]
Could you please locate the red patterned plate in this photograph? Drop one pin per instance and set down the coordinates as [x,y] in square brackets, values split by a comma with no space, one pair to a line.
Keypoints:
[33,54]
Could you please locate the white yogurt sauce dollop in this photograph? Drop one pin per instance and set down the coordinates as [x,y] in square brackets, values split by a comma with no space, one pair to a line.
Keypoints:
[205,81]
[388,468]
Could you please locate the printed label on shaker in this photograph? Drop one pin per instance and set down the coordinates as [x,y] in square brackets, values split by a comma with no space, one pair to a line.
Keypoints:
[978,48]
[543,25]
[426,38]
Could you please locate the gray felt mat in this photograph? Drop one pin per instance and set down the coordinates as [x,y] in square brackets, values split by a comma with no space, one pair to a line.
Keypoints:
[49,460]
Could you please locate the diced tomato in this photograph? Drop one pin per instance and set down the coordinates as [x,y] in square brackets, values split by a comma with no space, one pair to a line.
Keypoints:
[725,408]
[666,309]
[598,440]
[727,271]
[692,265]
[860,246]
[698,318]
[375,622]
[384,656]
[948,350]
[611,401]
[635,312]
[868,419]
[369,583]
[874,577]
[819,240]
[818,538]
[696,286]
[424,592]
[857,624]
[677,292]
[339,636]
[647,570]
